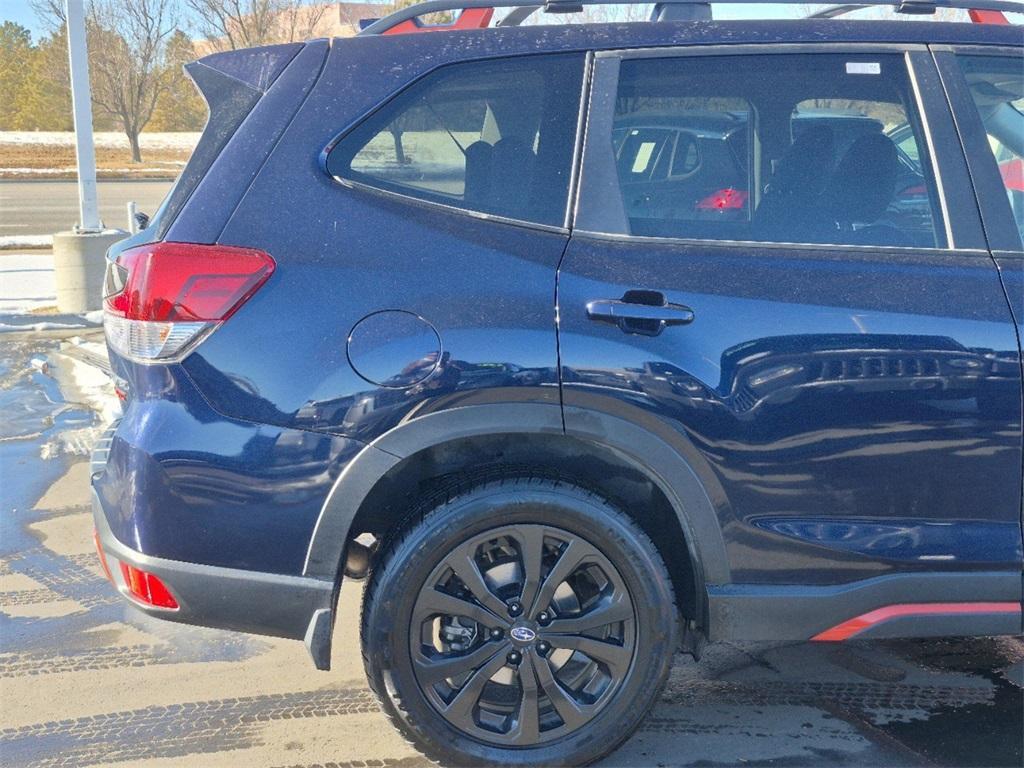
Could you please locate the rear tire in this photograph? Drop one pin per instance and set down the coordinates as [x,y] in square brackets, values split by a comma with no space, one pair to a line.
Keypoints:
[522,622]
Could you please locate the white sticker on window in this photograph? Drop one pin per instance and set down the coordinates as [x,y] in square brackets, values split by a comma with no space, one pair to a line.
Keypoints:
[643,157]
[863,68]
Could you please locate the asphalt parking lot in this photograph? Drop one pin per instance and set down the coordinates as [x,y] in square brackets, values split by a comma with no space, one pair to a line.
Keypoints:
[86,680]
[41,207]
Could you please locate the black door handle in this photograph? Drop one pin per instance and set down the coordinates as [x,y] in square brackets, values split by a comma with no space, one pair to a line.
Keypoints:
[640,312]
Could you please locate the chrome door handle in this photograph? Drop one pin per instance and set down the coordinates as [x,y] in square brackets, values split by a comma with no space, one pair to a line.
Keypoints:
[647,317]
[613,310]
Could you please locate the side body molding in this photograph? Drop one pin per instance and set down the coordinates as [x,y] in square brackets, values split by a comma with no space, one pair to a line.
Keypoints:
[645,451]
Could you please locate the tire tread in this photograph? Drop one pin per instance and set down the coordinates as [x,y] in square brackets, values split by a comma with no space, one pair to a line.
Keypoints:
[450,491]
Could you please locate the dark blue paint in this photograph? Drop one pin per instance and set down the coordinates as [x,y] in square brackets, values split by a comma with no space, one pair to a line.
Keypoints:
[818,475]
[395,349]
[184,483]
[867,409]
[486,288]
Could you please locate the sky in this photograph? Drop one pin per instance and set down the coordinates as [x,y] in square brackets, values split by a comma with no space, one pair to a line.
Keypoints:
[21,12]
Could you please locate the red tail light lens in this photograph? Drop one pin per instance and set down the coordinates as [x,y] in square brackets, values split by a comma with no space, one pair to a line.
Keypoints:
[160,300]
[147,588]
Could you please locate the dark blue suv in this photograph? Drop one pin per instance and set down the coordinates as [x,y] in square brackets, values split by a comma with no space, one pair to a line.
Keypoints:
[581,344]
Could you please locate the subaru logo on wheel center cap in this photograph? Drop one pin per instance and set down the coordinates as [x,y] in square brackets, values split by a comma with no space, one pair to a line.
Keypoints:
[523,634]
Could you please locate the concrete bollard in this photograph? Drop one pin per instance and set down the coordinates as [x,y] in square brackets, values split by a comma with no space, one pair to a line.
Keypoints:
[79,266]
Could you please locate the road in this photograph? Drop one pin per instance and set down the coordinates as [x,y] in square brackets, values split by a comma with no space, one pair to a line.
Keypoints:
[87,680]
[45,207]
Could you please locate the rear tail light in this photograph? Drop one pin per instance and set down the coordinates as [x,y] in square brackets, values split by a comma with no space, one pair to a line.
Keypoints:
[161,300]
[147,588]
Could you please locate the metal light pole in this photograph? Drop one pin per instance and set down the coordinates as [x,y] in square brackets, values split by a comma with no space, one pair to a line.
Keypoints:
[81,104]
[78,255]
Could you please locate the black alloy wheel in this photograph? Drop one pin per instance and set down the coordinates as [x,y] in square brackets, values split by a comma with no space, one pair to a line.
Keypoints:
[522,634]
[524,622]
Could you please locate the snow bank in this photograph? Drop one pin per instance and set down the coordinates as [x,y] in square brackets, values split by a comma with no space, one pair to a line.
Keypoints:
[114,139]
[26,284]
[25,241]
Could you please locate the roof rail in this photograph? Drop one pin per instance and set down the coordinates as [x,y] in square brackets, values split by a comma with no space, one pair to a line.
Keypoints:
[668,10]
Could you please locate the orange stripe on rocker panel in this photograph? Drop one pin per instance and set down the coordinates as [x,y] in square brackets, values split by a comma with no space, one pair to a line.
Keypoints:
[856,625]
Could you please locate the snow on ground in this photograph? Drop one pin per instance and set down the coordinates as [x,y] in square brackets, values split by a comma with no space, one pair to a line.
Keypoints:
[94,347]
[27,289]
[183,140]
[47,325]
[26,283]
[89,386]
[95,389]
[72,169]
[25,241]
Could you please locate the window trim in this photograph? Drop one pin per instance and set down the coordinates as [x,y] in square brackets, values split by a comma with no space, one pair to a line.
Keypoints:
[605,76]
[773,245]
[929,146]
[575,155]
[1002,233]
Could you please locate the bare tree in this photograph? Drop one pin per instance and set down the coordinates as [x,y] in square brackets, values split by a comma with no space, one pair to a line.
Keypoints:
[231,24]
[128,65]
[129,60]
[50,13]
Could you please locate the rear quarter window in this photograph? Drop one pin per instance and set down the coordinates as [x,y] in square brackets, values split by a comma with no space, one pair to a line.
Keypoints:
[494,137]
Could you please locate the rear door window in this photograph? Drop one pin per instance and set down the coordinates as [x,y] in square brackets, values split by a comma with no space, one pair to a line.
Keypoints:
[997,88]
[494,137]
[829,149]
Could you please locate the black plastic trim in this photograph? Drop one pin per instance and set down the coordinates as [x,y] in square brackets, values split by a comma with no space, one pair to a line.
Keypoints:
[647,452]
[226,598]
[757,612]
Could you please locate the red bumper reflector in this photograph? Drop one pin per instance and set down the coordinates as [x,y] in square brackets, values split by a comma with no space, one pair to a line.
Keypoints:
[147,588]
[102,554]
[855,626]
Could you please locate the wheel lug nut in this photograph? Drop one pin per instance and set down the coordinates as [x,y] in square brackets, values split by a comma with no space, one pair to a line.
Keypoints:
[515,609]
[496,633]
[543,648]
[514,658]
[544,618]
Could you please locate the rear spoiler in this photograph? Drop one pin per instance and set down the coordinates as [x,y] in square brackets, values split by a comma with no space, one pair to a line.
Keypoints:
[257,68]
[231,83]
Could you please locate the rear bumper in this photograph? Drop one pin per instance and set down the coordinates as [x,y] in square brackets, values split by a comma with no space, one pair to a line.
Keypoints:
[226,598]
